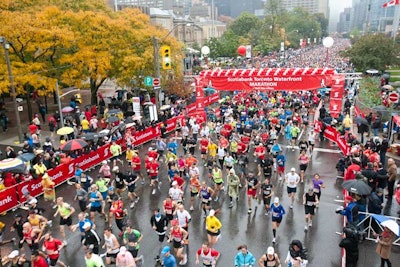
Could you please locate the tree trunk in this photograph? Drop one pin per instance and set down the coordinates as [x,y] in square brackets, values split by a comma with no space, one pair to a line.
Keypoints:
[94,87]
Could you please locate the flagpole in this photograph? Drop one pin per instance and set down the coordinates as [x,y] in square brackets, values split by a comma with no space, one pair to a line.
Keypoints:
[396,19]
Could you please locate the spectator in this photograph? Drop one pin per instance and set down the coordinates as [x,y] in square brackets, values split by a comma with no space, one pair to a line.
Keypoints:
[375,201]
[10,152]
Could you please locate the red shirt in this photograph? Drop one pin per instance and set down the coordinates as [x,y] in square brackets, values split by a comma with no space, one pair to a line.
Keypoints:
[152,154]
[53,245]
[260,152]
[179,180]
[40,262]
[153,168]
[136,163]
[214,253]
[351,172]
[32,128]
[203,144]
[241,147]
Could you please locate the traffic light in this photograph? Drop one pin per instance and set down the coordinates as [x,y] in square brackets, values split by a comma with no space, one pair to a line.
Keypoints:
[166,57]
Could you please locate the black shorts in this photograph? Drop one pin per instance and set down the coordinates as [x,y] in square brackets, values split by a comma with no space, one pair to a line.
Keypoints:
[53,262]
[277,219]
[111,255]
[203,152]
[192,194]
[214,234]
[67,221]
[309,209]
[310,143]
[133,251]
[115,157]
[303,167]
[206,202]
[267,200]
[177,244]
[219,183]
[291,190]
[94,209]
[131,188]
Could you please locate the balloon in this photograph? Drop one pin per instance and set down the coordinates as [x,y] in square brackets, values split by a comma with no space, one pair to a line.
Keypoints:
[241,50]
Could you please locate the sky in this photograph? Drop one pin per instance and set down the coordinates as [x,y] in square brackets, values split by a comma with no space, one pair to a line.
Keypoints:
[336,7]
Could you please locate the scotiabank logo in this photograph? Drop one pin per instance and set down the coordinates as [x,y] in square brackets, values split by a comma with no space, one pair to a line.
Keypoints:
[106,151]
[71,168]
[57,175]
[144,135]
[36,186]
[89,160]
[6,200]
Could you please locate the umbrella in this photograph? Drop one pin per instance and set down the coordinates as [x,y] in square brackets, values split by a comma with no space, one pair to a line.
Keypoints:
[73,145]
[381,110]
[104,132]
[67,109]
[360,120]
[165,107]
[386,222]
[121,126]
[26,156]
[388,87]
[112,119]
[148,103]
[113,111]
[65,130]
[12,165]
[90,136]
[357,186]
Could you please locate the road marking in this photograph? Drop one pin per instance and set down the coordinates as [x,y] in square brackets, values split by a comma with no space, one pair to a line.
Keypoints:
[327,150]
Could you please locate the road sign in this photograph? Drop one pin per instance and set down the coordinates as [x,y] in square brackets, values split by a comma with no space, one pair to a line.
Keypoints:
[156,82]
[148,81]
[393,97]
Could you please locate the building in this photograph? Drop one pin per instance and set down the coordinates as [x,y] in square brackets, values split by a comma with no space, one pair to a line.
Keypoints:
[343,25]
[312,6]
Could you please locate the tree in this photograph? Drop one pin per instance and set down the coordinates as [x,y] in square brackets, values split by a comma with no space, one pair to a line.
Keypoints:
[373,51]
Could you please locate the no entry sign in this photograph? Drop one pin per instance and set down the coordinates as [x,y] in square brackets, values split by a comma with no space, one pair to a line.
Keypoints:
[393,97]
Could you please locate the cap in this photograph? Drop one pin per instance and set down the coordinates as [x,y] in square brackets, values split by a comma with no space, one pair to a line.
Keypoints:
[111,188]
[104,162]
[293,169]
[349,198]
[13,254]
[212,213]
[276,200]
[165,250]
[174,183]
[116,168]
[270,251]
[86,225]
[122,249]
[32,201]
[174,222]
[232,171]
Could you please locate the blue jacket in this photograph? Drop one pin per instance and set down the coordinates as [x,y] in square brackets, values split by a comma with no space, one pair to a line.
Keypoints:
[351,213]
[242,260]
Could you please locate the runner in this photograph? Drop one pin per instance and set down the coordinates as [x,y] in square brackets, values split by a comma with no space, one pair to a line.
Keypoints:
[91,239]
[311,141]
[292,179]
[195,187]
[280,162]
[102,184]
[65,210]
[265,165]
[136,167]
[184,218]
[277,213]
[130,180]
[116,151]
[111,245]
[119,179]
[269,259]
[310,200]
[244,258]
[303,159]
[159,223]
[153,174]
[266,191]
[218,180]
[206,197]
[203,146]
[233,187]
[178,235]
[207,255]
[124,258]
[105,169]
[168,260]
[252,184]
[30,236]
[296,255]
[52,246]
[132,239]
[213,227]
[176,193]
[318,184]
[169,207]
[95,200]
[119,213]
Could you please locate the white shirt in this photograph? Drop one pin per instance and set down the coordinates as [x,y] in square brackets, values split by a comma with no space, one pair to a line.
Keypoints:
[195,128]
[175,193]
[292,179]
[183,217]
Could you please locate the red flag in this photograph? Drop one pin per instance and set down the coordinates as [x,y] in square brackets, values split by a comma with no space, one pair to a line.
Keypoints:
[391,3]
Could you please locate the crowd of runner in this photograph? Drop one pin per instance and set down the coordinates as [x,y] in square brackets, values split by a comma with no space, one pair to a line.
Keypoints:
[242,149]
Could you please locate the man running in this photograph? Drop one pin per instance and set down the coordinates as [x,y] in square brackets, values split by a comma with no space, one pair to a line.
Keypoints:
[65,210]
[310,200]
[252,185]
[292,179]
[208,256]
[266,191]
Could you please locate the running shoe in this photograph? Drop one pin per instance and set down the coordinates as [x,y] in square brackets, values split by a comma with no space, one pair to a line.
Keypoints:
[216,199]
[191,208]
[266,213]
[142,182]
[291,206]
[184,261]
[310,223]
[306,228]
[103,255]
[65,242]
[132,205]
[153,192]
[249,211]
[274,240]
[230,204]
[137,199]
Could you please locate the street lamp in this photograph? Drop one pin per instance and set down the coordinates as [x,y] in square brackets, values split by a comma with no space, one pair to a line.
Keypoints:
[59,101]
[327,42]
[6,47]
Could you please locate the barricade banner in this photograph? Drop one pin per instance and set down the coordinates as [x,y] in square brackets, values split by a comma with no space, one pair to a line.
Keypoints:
[333,135]
[336,95]
[8,199]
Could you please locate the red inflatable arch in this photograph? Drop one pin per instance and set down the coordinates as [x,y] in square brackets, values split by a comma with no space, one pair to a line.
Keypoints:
[276,79]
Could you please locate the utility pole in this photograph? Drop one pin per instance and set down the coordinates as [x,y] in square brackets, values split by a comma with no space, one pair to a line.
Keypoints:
[156,68]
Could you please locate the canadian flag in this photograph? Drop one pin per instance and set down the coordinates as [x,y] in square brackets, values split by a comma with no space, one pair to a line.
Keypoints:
[391,3]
